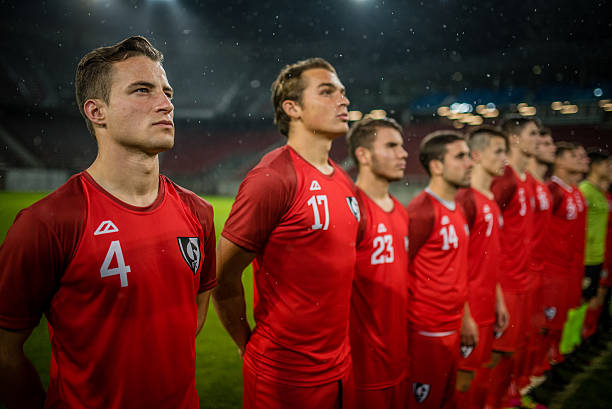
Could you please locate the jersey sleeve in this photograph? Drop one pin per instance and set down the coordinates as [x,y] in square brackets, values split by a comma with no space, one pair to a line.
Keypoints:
[504,188]
[263,198]
[465,199]
[421,215]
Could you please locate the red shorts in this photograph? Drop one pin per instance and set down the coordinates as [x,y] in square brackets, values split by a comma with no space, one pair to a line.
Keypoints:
[385,398]
[514,336]
[555,296]
[481,354]
[432,370]
[264,393]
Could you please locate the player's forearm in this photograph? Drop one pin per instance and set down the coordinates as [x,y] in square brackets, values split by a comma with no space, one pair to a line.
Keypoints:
[231,309]
[20,385]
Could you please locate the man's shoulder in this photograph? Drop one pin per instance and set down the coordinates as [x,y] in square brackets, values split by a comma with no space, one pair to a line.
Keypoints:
[62,205]
[422,201]
[188,197]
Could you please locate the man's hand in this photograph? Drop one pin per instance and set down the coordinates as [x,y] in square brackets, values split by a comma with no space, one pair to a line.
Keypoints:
[501,312]
[469,329]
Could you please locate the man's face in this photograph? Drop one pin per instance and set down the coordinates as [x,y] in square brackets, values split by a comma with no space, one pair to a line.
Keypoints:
[545,149]
[324,106]
[457,164]
[527,139]
[387,154]
[567,161]
[140,113]
[493,158]
[582,160]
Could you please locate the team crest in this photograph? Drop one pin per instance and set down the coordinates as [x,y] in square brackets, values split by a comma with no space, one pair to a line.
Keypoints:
[421,391]
[190,249]
[466,350]
[550,313]
[354,206]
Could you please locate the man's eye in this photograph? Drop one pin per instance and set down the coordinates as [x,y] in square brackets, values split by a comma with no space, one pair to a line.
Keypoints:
[144,90]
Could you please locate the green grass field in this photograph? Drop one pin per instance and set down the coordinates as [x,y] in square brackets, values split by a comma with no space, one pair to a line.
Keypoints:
[218,367]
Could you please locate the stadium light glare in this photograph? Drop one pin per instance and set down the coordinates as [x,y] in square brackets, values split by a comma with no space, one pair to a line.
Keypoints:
[355,115]
[527,111]
[491,113]
[378,114]
[598,92]
[444,111]
[458,125]
[521,105]
[476,120]
[569,109]
[467,118]
[604,102]
[556,105]
[491,105]
[481,109]
[607,107]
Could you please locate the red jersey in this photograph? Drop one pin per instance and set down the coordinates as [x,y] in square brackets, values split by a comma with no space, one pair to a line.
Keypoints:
[438,264]
[559,239]
[579,246]
[378,301]
[542,215]
[118,285]
[515,199]
[302,225]
[485,222]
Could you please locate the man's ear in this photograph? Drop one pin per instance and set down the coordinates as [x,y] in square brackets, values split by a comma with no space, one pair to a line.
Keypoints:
[436,167]
[363,156]
[292,108]
[95,111]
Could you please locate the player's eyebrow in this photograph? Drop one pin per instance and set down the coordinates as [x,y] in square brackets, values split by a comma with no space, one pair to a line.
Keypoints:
[332,85]
[149,85]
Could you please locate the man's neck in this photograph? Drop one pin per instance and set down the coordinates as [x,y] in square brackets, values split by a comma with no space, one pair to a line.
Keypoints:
[537,169]
[599,182]
[518,160]
[565,176]
[376,188]
[442,189]
[132,177]
[481,181]
[314,148]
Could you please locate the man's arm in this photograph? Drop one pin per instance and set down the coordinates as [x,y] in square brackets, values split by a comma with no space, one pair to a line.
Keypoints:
[469,329]
[228,296]
[202,301]
[20,385]
[501,312]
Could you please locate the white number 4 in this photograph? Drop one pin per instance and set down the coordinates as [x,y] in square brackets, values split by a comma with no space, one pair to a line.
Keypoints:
[115,250]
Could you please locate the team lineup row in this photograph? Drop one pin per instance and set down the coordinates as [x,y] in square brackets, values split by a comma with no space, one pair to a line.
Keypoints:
[360,302]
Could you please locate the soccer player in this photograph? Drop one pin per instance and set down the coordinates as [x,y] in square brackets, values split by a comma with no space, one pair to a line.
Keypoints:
[487,306]
[297,216]
[438,265]
[119,259]
[537,168]
[559,245]
[515,198]
[594,188]
[380,288]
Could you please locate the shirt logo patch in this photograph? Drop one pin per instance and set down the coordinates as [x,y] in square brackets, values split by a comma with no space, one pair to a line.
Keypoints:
[445,220]
[421,391]
[550,313]
[106,227]
[315,185]
[466,350]
[190,249]
[354,206]
[486,209]
[381,228]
